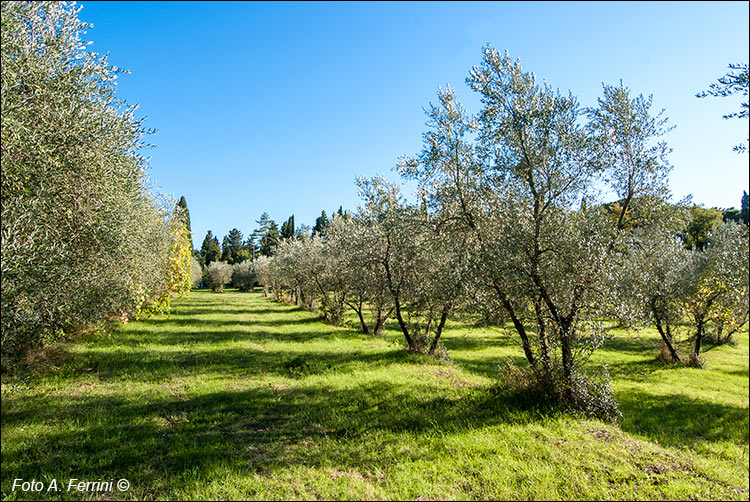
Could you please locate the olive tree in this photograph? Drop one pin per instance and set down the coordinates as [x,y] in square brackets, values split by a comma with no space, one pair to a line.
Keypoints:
[325,265]
[358,264]
[293,264]
[243,275]
[734,82]
[730,252]
[687,294]
[218,274]
[654,277]
[196,273]
[412,262]
[717,291]
[264,272]
[310,269]
[84,238]
[521,180]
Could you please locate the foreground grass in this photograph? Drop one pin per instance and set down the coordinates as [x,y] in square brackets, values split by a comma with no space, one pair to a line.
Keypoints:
[234,397]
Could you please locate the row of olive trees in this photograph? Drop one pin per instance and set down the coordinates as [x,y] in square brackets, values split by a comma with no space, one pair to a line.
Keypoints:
[512,227]
[387,260]
[83,238]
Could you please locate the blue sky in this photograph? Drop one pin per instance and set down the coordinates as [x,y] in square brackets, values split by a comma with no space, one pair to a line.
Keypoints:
[277,107]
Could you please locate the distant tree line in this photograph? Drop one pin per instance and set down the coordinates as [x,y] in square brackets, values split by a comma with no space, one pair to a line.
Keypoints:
[235,250]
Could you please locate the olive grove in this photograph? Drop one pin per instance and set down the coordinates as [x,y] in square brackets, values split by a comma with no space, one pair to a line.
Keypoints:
[512,225]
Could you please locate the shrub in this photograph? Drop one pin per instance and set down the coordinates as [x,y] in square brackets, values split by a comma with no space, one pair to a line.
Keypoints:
[592,396]
[243,276]
[421,343]
[218,275]
[587,394]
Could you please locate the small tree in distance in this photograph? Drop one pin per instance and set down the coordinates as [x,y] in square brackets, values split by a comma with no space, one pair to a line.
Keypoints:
[717,292]
[243,276]
[196,273]
[218,275]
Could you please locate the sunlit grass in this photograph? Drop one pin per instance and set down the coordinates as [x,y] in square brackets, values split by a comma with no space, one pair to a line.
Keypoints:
[234,396]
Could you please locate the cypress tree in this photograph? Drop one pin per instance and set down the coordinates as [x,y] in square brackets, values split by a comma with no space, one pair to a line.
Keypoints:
[182,204]
[287,228]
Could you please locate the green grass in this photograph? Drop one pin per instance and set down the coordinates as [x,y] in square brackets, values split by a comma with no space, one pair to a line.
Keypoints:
[234,396]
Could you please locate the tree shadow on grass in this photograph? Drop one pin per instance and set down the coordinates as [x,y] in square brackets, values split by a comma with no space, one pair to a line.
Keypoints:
[188,321]
[490,366]
[678,420]
[250,431]
[268,428]
[477,341]
[232,332]
[157,366]
[189,310]
[740,373]
[640,370]
[631,344]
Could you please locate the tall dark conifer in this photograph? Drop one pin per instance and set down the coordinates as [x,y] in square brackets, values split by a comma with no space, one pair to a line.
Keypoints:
[321,224]
[226,250]
[266,235]
[287,228]
[235,246]
[210,250]
[182,204]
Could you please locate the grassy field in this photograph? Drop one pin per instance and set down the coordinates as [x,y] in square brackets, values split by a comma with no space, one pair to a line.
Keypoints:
[234,396]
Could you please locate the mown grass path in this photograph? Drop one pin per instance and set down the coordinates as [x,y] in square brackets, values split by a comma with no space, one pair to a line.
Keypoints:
[234,396]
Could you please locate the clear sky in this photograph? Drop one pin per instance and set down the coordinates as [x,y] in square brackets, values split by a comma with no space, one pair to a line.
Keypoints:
[278,106]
